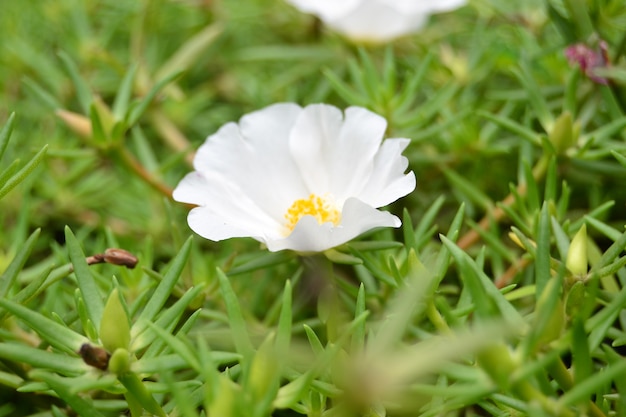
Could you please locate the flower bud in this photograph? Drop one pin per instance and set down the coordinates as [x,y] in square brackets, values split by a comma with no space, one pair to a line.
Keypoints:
[563,134]
[77,122]
[94,356]
[497,361]
[114,327]
[576,261]
[120,257]
[227,396]
[120,362]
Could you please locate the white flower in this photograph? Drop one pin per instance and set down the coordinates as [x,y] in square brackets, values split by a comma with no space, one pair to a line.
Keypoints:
[375,20]
[306,179]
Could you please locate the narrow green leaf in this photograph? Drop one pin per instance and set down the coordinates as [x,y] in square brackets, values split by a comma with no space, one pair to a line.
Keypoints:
[183,402]
[579,15]
[140,393]
[178,346]
[140,109]
[167,320]
[40,93]
[620,383]
[581,357]
[9,171]
[8,277]
[124,93]
[507,311]
[97,129]
[412,86]
[375,245]
[599,324]
[5,134]
[620,158]
[288,395]
[581,393]
[83,91]
[86,284]
[560,237]
[39,358]
[190,51]
[429,217]
[238,327]
[54,333]
[33,288]
[469,190]
[408,232]
[374,267]
[358,337]
[612,252]
[266,260]
[606,131]
[542,257]
[314,341]
[347,93]
[63,388]
[163,290]
[430,107]
[537,101]
[513,126]
[23,173]
[283,333]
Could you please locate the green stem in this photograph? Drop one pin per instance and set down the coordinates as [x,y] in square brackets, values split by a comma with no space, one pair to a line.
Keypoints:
[139,394]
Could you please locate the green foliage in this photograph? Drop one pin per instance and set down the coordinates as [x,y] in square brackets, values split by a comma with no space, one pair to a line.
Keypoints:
[503,294]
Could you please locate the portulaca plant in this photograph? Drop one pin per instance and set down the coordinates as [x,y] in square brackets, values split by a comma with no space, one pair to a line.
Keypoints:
[375,20]
[306,179]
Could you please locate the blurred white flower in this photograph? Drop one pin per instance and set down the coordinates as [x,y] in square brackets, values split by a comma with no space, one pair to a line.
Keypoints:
[375,20]
[306,179]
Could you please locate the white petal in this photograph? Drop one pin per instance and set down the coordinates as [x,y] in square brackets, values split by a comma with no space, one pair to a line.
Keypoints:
[427,6]
[255,155]
[225,211]
[388,181]
[357,218]
[311,145]
[354,151]
[377,21]
[325,9]
[335,154]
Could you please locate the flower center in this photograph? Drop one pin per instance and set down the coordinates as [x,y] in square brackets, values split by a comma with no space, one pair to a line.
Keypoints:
[321,208]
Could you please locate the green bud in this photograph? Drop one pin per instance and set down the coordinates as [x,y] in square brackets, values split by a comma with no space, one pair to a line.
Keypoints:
[576,261]
[119,363]
[563,134]
[114,327]
[227,396]
[496,360]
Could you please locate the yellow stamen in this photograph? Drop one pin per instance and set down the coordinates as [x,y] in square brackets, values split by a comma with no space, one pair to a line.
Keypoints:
[320,208]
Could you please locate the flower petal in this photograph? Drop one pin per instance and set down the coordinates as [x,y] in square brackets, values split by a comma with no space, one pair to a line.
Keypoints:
[325,9]
[311,144]
[255,155]
[425,6]
[388,181]
[324,146]
[377,21]
[224,210]
[357,218]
